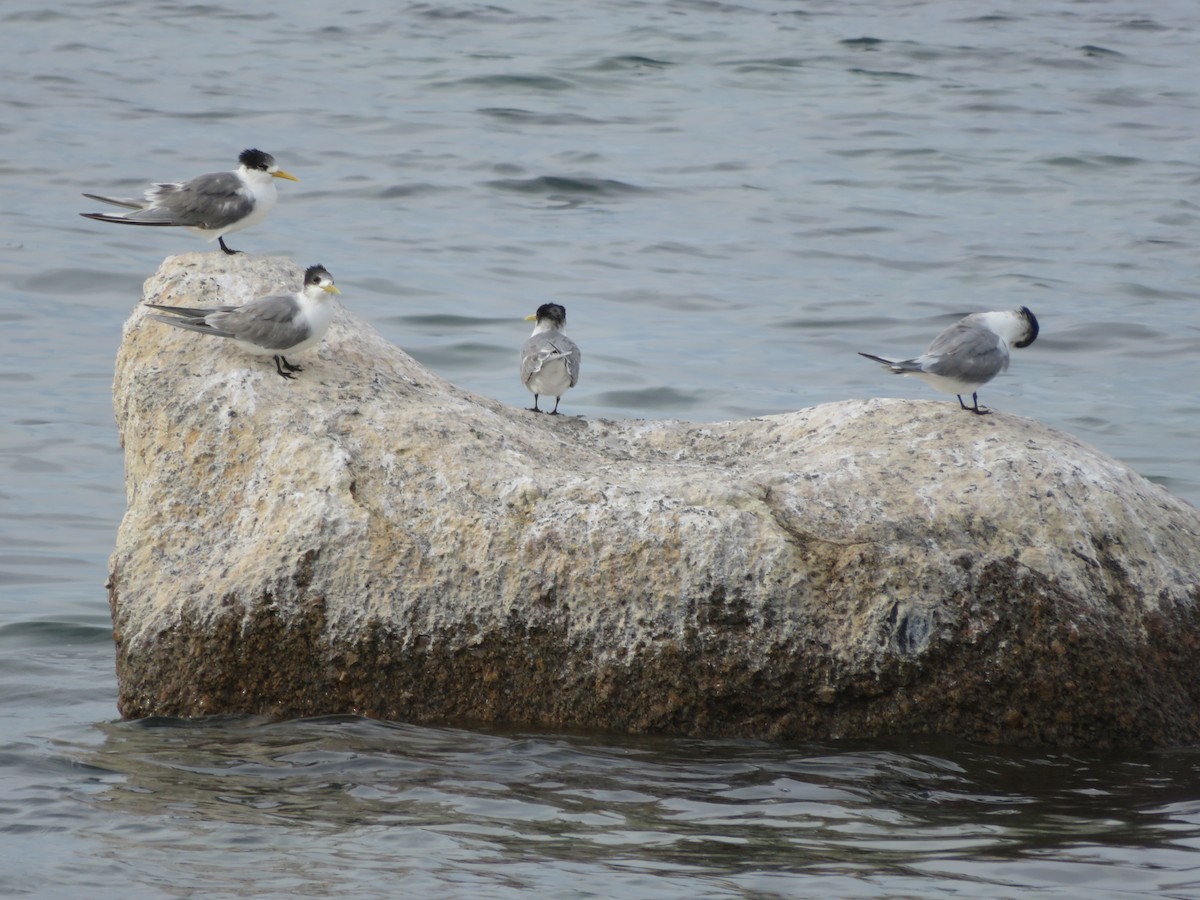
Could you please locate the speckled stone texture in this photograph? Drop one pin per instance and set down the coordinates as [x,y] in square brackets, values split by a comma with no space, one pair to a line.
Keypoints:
[371,539]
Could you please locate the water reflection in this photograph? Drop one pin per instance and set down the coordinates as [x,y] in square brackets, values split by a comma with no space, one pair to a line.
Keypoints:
[719,808]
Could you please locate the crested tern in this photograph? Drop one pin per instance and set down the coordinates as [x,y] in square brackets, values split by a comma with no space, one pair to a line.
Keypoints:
[211,205]
[268,326]
[549,359]
[969,353]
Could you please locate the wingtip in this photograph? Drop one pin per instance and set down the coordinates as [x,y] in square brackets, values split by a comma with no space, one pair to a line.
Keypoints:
[878,359]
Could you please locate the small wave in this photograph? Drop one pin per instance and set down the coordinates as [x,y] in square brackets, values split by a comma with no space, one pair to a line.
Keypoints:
[1098,160]
[40,16]
[773,64]
[509,82]
[445,320]
[883,73]
[655,398]
[420,189]
[73,282]
[475,13]
[473,356]
[526,116]
[1144,25]
[1093,50]
[552,185]
[992,19]
[54,633]
[625,63]
[868,43]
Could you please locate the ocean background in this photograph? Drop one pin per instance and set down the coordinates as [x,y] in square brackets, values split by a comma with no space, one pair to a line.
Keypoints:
[730,199]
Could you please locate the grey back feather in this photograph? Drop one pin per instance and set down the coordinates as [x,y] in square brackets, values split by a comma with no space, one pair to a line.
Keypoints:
[269,322]
[967,351]
[545,347]
[207,201]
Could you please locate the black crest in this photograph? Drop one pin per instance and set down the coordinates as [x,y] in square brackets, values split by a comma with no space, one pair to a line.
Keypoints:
[555,312]
[256,159]
[313,274]
[1033,327]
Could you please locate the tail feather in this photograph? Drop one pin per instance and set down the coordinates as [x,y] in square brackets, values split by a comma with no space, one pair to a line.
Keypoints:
[188,312]
[879,359]
[126,220]
[898,366]
[128,203]
[192,325]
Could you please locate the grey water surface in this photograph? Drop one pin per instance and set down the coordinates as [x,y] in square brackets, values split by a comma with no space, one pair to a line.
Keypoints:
[731,199]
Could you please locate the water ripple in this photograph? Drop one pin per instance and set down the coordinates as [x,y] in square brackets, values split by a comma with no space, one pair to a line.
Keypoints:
[725,812]
[557,186]
[731,199]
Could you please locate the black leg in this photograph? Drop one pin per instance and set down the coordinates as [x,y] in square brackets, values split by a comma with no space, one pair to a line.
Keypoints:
[975,409]
[554,412]
[279,368]
[221,241]
[534,408]
[291,367]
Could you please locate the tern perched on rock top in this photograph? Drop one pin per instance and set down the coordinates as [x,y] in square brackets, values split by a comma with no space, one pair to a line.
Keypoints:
[969,353]
[268,326]
[211,205]
[549,359]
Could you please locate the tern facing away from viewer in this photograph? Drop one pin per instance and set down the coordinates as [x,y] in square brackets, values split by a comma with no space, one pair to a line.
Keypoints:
[969,353]
[211,205]
[549,359]
[268,326]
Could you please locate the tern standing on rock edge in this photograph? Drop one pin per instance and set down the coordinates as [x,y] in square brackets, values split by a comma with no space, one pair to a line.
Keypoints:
[211,205]
[268,326]
[549,359]
[969,353]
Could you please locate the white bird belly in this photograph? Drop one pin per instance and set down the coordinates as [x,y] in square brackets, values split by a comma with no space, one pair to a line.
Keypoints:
[949,385]
[319,315]
[552,379]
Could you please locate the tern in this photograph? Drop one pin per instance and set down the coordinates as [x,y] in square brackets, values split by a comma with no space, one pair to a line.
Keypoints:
[549,359]
[211,205]
[969,353]
[268,326]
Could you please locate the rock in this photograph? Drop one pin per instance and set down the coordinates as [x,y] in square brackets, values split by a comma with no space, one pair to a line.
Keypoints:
[371,539]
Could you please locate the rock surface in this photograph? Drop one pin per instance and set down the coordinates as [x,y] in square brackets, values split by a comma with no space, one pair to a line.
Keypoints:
[370,539]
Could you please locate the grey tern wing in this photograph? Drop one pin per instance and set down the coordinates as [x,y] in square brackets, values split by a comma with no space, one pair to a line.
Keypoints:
[967,351]
[269,322]
[207,201]
[541,349]
[531,357]
[967,330]
[570,352]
